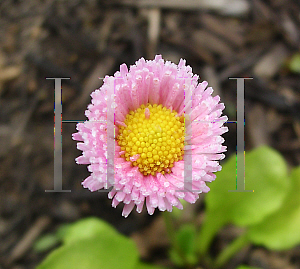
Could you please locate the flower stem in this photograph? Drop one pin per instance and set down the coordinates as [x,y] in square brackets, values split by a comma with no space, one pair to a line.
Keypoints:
[208,230]
[172,236]
[230,250]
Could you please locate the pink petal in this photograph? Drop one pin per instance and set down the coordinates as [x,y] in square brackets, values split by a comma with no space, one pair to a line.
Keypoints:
[127,209]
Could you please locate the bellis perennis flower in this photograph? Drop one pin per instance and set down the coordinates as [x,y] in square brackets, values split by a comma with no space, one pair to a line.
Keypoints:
[162,117]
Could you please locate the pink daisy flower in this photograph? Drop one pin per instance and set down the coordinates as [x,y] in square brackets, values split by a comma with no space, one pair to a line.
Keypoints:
[153,133]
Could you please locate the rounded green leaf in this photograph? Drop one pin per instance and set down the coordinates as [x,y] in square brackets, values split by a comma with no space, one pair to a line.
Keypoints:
[265,173]
[87,228]
[281,230]
[100,251]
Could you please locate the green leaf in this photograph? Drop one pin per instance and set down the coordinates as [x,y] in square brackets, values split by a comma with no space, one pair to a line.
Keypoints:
[281,230]
[62,230]
[185,238]
[45,243]
[87,228]
[265,173]
[92,243]
[100,251]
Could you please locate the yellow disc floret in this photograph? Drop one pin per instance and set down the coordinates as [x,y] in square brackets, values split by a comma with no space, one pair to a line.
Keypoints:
[153,139]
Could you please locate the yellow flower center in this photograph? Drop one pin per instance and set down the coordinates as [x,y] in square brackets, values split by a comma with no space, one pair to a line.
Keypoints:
[153,139]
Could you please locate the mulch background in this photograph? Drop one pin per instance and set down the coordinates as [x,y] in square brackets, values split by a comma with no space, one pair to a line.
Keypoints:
[85,40]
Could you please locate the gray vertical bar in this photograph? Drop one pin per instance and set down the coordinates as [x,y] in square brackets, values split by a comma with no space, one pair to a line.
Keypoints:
[240,146]
[58,138]
[110,137]
[240,139]
[187,157]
